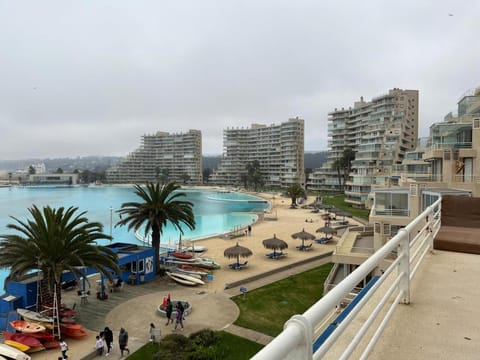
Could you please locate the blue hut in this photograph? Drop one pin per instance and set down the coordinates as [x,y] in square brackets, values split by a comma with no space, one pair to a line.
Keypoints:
[136,263]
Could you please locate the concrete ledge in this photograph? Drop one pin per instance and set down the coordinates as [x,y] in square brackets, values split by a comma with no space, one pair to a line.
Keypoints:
[90,356]
[277,270]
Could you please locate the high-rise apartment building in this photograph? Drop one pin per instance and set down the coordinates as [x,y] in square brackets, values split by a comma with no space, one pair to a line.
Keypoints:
[379,132]
[279,149]
[162,157]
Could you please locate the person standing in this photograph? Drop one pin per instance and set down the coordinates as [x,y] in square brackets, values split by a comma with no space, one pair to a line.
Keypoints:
[152,332]
[63,348]
[179,317]
[123,341]
[168,311]
[99,345]
[108,336]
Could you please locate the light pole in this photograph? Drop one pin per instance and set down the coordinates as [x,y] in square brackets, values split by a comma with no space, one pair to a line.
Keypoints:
[111,220]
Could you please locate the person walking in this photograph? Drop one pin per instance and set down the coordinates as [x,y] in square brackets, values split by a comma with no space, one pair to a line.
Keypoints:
[179,317]
[63,348]
[108,337]
[123,341]
[152,332]
[168,311]
[99,345]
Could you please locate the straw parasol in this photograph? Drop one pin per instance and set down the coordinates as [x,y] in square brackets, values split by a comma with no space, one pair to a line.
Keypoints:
[237,251]
[303,235]
[275,243]
[326,230]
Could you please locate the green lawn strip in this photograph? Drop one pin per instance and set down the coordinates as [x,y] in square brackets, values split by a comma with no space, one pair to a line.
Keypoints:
[145,352]
[266,309]
[239,348]
[339,202]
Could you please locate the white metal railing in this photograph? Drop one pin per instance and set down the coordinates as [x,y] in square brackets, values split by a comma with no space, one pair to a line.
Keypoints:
[411,243]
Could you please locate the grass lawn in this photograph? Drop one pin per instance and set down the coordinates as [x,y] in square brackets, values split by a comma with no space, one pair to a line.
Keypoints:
[266,309]
[339,202]
[239,348]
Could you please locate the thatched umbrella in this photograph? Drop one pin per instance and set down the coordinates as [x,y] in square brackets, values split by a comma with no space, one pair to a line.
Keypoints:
[303,235]
[237,251]
[326,230]
[274,244]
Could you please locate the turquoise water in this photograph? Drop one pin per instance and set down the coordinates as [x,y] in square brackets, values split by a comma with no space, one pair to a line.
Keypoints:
[215,212]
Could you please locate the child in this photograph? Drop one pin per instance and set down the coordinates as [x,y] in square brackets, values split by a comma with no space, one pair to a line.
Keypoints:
[64,348]
[152,332]
[99,345]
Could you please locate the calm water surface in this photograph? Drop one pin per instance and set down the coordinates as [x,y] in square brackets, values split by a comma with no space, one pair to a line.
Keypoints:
[215,212]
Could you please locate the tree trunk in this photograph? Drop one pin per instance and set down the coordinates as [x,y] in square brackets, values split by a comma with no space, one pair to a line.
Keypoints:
[156,245]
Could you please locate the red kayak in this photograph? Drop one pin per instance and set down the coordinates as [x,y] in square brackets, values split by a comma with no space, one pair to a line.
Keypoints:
[73,331]
[22,339]
[181,255]
[43,336]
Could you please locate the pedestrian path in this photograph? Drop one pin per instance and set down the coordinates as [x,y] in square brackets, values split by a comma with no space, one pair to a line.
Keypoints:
[249,334]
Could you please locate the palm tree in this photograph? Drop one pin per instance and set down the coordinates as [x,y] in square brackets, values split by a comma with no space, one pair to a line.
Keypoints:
[53,241]
[295,191]
[160,206]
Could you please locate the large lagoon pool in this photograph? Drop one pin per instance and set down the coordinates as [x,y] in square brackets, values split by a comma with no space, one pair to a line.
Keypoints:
[216,212]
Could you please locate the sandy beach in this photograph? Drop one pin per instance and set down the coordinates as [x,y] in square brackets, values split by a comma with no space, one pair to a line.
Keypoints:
[212,305]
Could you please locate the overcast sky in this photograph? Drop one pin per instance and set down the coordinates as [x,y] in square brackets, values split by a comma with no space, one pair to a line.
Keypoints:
[91,77]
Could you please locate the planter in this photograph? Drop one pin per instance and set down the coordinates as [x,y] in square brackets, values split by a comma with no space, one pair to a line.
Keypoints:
[186,305]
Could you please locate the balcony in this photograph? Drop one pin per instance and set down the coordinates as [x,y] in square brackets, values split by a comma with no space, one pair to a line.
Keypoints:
[398,315]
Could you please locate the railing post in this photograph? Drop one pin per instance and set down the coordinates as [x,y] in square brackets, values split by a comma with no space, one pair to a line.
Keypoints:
[404,265]
[303,350]
[431,222]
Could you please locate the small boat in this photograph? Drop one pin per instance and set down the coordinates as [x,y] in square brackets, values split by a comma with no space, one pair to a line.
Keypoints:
[17,345]
[186,272]
[188,278]
[27,340]
[35,349]
[197,249]
[26,326]
[8,351]
[34,316]
[181,255]
[181,280]
[43,336]
[73,330]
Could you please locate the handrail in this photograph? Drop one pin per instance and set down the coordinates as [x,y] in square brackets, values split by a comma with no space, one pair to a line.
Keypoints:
[411,243]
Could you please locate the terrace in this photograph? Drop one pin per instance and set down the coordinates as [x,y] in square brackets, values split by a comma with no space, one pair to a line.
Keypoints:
[421,305]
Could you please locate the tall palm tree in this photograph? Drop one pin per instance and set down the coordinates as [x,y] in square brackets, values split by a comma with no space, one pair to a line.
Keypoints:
[295,191]
[160,205]
[53,241]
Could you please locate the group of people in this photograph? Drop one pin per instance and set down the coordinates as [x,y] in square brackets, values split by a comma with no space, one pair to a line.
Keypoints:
[105,338]
[179,316]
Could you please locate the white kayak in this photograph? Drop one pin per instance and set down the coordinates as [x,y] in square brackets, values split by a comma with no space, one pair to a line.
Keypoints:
[185,279]
[13,353]
[34,316]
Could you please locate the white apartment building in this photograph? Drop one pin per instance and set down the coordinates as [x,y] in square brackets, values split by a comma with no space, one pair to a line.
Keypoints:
[171,157]
[380,132]
[279,150]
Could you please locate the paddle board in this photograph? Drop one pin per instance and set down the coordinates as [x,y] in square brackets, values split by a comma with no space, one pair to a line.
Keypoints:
[180,280]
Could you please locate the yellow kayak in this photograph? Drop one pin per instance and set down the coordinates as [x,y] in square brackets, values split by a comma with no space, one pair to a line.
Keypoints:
[17,345]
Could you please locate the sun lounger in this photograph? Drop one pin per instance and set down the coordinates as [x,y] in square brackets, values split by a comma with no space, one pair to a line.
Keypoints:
[305,247]
[238,266]
[323,240]
[276,255]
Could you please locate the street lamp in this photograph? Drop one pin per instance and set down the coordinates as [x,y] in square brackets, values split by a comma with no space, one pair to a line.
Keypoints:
[111,220]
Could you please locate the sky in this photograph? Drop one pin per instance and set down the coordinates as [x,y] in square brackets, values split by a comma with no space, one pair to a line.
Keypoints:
[90,77]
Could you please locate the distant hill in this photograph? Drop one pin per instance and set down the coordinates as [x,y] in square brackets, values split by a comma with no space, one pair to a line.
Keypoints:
[314,160]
